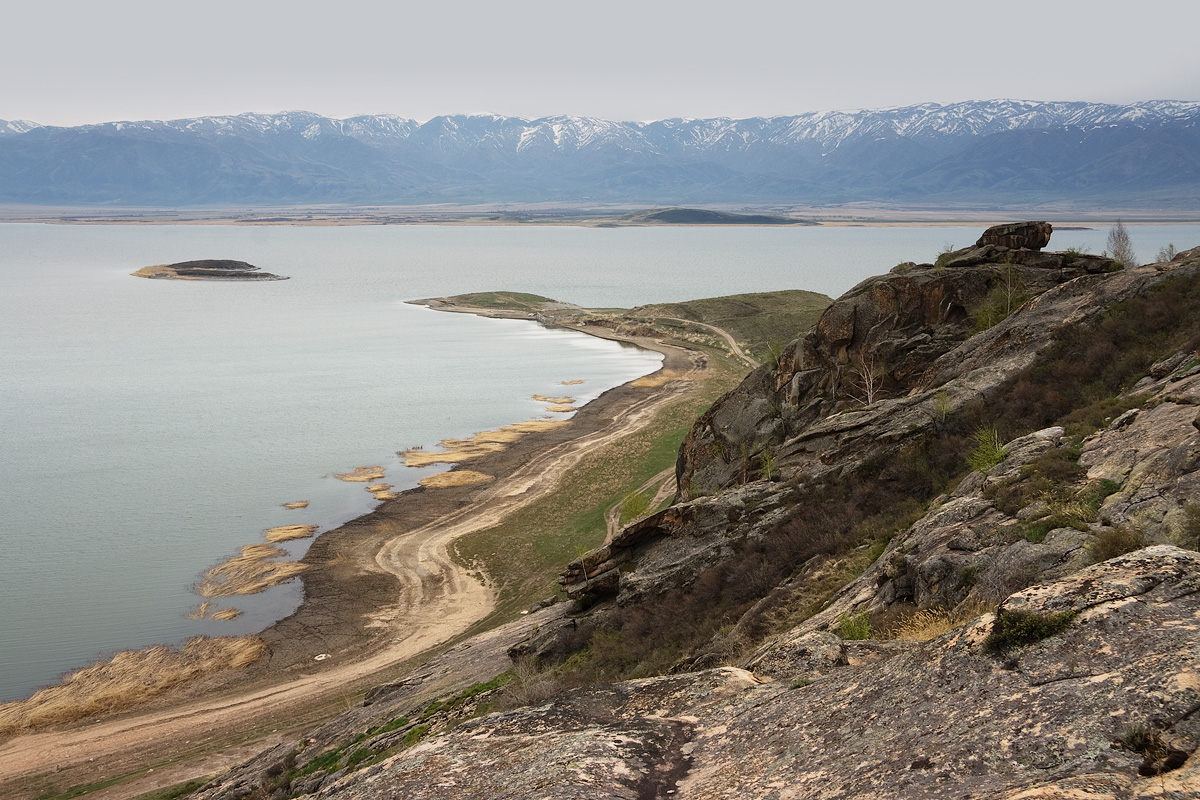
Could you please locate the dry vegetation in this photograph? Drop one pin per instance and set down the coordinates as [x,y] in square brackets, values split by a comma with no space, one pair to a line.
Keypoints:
[381,491]
[285,533]
[661,378]
[458,477]
[459,450]
[248,573]
[361,475]
[297,504]
[130,678]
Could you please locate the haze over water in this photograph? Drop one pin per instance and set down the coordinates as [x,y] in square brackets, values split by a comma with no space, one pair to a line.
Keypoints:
[151,428]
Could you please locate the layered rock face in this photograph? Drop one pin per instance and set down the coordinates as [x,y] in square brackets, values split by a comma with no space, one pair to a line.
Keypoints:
[1104,708]
[883,368]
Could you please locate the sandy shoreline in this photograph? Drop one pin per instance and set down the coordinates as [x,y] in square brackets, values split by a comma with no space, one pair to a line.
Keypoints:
[380,591]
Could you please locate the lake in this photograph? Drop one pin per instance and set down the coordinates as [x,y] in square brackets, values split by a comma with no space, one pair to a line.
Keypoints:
[151,428]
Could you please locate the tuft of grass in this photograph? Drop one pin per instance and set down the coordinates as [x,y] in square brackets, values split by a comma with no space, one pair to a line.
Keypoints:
[989,450]
[930,623]
[855,627]
[1013,629]
[944,255]
[415,735]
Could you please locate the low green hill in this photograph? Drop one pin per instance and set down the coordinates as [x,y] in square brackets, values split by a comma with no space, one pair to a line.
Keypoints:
[755,320]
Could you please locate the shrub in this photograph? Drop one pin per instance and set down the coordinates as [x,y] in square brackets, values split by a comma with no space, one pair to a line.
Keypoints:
[1166,253]
[1014,629]
[1113,542]
[944,256]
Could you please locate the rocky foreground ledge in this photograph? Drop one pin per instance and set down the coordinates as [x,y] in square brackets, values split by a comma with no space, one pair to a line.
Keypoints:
[207,270]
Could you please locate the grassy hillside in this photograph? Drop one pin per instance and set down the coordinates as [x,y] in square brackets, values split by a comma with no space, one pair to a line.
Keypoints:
[754,320]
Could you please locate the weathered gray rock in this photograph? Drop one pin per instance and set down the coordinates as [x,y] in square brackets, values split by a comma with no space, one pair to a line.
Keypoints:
[948,718]
[1026,235]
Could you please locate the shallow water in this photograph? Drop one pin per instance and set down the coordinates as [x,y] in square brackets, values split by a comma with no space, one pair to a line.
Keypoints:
[150,428]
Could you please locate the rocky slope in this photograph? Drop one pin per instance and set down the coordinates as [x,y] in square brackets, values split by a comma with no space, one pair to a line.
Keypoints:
[940,538]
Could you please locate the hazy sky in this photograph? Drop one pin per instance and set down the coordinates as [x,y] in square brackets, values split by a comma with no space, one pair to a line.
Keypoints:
[69,63]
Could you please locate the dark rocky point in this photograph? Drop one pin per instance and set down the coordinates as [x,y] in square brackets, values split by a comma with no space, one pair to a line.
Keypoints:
[1026,235]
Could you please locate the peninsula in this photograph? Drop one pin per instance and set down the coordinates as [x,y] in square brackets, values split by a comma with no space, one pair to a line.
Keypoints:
[207,270]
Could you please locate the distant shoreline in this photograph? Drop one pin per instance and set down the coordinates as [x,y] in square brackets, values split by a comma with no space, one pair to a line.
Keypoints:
[552,215]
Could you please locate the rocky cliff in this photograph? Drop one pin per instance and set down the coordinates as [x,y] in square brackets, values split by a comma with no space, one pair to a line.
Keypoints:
[943,546]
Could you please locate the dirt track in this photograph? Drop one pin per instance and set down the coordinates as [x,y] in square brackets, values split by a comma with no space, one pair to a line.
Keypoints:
[436,601]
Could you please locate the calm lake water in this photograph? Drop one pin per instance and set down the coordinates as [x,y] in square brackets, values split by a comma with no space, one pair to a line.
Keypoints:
[151,428]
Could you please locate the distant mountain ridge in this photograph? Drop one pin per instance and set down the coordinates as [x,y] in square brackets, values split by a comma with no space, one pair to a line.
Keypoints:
[997,151]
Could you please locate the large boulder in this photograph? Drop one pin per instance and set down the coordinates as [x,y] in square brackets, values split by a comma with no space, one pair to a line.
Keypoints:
[1017,235]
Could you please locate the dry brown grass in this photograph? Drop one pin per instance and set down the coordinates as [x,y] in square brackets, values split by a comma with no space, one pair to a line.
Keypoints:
[930,623]
[286,532]
[226,614]
[130,678]
[458,450]
[248,573]
[575,382]
[559,401]
[458,477]
[361,475]
[381,491]
[156,271]
[199,611]
[297,504]
[660,378]
[561,409]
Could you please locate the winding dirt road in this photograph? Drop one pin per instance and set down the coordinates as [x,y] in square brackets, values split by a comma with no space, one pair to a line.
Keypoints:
[438,600]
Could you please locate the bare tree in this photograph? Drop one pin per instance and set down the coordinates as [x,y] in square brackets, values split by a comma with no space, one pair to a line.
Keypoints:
[867,374]
[1166,253]
[1120,249]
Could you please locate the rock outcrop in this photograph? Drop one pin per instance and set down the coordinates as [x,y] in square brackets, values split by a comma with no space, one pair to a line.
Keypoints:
[1106,707]
[1023,235]
[809,419]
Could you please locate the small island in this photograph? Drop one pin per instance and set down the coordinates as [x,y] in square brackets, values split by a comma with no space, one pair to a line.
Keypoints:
[208,270]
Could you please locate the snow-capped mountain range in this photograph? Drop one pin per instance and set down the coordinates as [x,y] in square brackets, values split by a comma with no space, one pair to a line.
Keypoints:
[996,152]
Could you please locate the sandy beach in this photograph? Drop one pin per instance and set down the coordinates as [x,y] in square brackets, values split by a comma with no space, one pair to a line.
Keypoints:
[382,594]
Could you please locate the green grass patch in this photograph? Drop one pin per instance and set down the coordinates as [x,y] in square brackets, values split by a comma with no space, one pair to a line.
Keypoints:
[855,627]
[755,320]
[1013,629]
[526,553]
[502,301]
[175,792]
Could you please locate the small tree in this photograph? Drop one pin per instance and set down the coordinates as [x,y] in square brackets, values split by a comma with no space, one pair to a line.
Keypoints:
[1119,246]
[1166,253]
[867,373]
